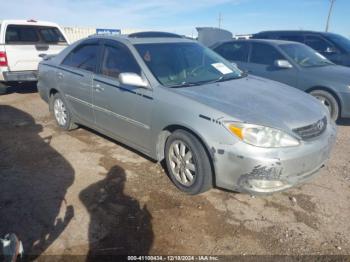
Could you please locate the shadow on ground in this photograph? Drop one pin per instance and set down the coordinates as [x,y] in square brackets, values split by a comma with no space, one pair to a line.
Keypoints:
[21,88]
[118,225]
[343,122]
[34,179]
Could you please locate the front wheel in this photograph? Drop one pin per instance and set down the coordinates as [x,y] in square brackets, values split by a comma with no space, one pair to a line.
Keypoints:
[188,163]
[329,101]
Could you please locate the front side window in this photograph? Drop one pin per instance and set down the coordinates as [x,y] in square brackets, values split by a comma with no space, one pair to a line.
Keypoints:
[234,51]
[180,64]
[84,57]
[342,41]
[264,54]
[21,34]
[316,43]
[118,59]
[304,55]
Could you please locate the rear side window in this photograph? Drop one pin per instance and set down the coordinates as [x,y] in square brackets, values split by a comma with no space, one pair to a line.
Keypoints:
[24,34]
[84,57]
[293,38]
[234,51]
[51,35]
[264,54]
[117,59]
[21,34]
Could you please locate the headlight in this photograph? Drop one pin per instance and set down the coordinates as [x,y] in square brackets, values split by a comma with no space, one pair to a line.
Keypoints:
[261,136]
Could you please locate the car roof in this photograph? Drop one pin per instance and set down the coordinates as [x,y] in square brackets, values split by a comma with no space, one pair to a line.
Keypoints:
[143,40]
[290,32]
[268,41]
[28,22]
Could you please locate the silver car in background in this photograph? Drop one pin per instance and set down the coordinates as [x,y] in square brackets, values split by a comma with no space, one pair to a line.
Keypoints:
[173,99]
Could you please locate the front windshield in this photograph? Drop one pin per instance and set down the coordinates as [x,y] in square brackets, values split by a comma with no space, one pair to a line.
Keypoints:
[341,41]
[180,64]
[304,55]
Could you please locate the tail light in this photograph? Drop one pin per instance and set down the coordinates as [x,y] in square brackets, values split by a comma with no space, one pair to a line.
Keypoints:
[3,59]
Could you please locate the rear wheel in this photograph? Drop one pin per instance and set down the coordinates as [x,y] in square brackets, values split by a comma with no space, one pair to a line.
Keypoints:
[61,113]
[329,101]
[188,163]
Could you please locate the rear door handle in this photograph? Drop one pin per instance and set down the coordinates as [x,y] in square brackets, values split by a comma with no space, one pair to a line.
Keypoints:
[60,75]
[98,88]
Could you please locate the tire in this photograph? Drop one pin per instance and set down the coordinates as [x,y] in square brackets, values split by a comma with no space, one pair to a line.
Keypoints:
[3,89]
[61,112]
[197,163]
[329,101]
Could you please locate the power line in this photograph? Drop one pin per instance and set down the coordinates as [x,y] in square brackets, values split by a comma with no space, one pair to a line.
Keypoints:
[329,14]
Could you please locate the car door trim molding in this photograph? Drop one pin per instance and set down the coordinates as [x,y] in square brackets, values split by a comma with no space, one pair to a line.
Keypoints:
[104,110]
[64,69]
[123,89]
[129,120]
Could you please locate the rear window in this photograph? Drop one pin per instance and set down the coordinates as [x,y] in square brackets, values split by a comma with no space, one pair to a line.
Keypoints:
[23,34]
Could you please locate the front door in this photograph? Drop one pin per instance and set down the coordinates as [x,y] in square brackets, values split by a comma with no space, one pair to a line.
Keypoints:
[122,110]
[262,63]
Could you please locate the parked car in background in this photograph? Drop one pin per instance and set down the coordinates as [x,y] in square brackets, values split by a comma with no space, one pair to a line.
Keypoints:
[23,44]
[333,46]
[173,99]
[296,65]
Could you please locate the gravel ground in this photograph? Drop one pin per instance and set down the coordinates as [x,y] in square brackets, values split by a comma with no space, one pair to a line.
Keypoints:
[79,192]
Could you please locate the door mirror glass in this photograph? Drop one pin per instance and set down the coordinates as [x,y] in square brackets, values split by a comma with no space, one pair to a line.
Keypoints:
[132,79]
[283,64]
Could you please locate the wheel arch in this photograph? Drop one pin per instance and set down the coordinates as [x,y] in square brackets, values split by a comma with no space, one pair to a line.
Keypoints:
[52,92]
[168,130]
[329,90]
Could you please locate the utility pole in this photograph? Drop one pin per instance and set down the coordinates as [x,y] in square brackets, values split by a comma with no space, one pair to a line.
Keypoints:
[220,20]
[329,14]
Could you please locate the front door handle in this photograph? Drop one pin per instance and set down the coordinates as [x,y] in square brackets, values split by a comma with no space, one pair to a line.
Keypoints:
[60,75]
[98,88]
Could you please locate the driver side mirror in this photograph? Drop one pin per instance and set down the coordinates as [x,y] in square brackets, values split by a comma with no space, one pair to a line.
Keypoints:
[283,64]
[132,79]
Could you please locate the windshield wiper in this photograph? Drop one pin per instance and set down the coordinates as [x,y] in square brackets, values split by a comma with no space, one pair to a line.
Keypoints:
[184,84]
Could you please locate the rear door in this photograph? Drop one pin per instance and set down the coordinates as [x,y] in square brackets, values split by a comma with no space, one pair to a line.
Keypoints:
[24,45]
[262,63]
[75,75]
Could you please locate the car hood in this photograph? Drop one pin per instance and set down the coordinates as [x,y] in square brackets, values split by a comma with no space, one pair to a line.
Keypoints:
[258,101]
[335,73]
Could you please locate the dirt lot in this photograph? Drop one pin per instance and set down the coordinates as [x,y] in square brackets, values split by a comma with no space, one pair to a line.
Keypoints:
[80,193]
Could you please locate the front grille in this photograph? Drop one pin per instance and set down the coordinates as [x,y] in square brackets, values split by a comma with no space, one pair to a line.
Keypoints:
[313,130]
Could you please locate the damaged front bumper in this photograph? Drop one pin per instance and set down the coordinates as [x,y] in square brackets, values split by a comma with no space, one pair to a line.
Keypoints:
[245,168]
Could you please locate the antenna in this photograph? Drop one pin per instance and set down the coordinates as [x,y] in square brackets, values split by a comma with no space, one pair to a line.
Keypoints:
[329,14]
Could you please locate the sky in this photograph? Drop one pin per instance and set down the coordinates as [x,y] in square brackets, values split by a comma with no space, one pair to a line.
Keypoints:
[183,16]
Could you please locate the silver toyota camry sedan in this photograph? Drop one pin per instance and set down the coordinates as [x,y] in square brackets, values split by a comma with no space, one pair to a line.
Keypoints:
[173,99]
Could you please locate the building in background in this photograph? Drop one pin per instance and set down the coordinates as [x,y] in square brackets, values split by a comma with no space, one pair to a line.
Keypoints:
[77,33]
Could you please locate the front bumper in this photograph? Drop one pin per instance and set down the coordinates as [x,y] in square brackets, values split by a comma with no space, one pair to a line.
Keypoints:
[20,76]
[245,168]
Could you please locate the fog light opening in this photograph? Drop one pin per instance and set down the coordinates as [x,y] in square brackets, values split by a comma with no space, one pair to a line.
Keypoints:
[263,185]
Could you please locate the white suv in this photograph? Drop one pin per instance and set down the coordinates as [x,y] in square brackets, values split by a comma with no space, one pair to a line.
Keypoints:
[23,44]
